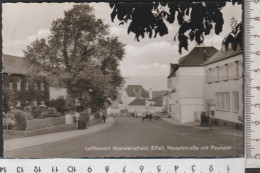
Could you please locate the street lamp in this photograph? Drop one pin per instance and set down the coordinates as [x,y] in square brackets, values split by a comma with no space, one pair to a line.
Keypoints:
[210,116]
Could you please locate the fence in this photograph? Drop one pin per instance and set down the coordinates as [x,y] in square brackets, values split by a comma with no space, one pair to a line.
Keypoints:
[46,122]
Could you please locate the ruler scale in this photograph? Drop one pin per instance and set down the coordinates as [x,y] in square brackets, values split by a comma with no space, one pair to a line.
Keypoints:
[252,75]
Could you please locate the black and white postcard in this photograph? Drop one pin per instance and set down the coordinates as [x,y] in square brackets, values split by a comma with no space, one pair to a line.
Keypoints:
[131,80]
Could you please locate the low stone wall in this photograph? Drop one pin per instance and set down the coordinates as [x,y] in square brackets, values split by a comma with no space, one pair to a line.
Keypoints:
[55,125]
[42,131]
[45,122]
[52,129]
[94,121]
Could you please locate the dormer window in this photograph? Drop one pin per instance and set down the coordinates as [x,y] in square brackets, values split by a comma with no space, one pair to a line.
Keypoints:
[27,85]
[229,45]
[19,85]
[35,86]
[10,85]
[42,86]
[223,48]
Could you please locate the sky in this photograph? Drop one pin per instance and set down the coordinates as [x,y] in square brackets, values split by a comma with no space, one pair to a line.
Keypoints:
[146,62]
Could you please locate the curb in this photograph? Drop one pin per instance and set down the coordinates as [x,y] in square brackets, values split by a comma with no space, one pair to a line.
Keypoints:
[57,140]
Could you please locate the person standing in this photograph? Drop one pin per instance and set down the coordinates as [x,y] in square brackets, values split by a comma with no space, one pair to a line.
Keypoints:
[104,115]
[150,116]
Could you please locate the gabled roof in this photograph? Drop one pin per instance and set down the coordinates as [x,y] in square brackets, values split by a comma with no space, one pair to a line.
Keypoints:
[14,65]
[221,55]
[158,95]
[114,105]
[136,91]
[172,70]
[197,56]
[138,102]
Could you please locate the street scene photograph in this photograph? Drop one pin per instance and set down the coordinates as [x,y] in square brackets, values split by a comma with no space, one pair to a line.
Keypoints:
[135,79]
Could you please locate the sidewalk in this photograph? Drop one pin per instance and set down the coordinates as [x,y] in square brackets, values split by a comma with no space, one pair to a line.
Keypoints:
[215,129]
[15,144]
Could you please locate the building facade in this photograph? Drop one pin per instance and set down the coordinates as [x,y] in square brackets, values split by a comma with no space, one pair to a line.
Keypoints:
[223,85]
[19,89]
[186,84]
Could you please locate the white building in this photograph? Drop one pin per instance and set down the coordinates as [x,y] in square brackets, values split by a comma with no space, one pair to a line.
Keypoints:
[138,106]
[186,85]
[223,96]
[153,104]
[130,93]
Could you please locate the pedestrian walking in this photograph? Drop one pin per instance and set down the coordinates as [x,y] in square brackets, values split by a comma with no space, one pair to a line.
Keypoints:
[150,117]
[103,115]
[203,119]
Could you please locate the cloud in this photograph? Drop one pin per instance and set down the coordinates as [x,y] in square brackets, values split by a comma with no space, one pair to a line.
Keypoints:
[118,31]
[43,33]
[16,47]
[214,40]
[149,59]
[154,69]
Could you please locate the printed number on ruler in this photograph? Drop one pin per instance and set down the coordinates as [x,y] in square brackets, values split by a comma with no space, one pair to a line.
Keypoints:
[73,169]
[252,83]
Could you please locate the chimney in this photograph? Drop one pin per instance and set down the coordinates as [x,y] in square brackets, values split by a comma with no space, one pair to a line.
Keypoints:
[150,93]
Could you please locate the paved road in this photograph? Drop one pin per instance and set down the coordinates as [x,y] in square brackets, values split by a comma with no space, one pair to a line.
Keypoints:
[155,138]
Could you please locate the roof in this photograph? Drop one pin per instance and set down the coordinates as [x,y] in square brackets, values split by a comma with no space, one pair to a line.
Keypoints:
[172,70]
[197,56]
[14,65]
[136,91]
[221,55]
[114,105]
[138,102]
[158,103]
[158,95]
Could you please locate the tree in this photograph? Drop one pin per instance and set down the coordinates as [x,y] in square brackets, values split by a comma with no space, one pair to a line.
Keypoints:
[80,55]
[196,19]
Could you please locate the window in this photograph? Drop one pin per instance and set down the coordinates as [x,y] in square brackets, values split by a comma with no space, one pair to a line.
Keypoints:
[217,73]
[225,72]
[27,85]
[18,103]
[35,86]
[213,78]
[236,71]
[209,74]
[235,101]
[35,103]
[19,85]
[10,85]
[42,86]
[223,101]
[42,103]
